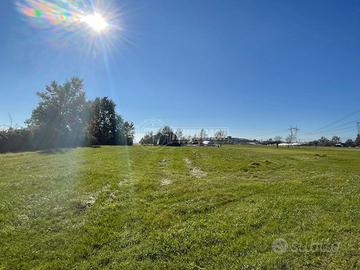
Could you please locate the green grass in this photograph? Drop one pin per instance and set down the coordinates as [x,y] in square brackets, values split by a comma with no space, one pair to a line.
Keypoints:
[180,208]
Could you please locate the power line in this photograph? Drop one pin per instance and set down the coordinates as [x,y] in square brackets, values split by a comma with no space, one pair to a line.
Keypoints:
[331,124]
[342,127]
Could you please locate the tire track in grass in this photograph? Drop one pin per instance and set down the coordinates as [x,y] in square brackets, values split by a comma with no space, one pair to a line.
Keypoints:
[165,181]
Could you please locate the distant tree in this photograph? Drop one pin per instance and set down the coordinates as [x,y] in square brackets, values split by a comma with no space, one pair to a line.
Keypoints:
[313,143]
[323,141]
[166,136]
[349,143]
[269,141]
[148,138]
[166,130]
[163,136]
[220,134]
[60,117]
[357,140]
[229,140]
[203,134]
[179,133]
[277,139]
[335,140]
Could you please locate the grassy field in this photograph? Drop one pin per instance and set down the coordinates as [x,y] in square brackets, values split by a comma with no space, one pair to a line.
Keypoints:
[180,208]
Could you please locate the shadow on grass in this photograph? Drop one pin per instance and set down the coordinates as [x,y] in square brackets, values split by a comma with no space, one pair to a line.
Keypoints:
[54,151]
[49,151]
[64,150]
[94,146]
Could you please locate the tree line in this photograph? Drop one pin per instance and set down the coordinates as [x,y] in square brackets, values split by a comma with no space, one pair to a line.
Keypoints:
[336,141]
[64,117]
[323,141]
[163,136]
[167,136]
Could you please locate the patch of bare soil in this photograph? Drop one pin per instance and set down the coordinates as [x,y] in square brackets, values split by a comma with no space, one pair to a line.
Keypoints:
[165,182]
[194,171]
[90,200]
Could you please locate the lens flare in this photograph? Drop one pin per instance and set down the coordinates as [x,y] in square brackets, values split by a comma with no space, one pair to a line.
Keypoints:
[46,13]
[95,23]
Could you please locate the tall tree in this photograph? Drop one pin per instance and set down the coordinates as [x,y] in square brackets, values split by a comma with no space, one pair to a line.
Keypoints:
[60,117]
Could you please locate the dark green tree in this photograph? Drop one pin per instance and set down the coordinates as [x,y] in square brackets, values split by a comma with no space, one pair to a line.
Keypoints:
[105,125]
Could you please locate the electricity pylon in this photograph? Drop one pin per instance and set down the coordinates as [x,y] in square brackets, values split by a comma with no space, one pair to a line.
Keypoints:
[293,134]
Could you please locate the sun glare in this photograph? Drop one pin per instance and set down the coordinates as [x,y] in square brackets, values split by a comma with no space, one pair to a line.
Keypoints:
[96,22]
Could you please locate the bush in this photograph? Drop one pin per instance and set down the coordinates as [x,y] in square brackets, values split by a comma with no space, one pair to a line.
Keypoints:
[15,140]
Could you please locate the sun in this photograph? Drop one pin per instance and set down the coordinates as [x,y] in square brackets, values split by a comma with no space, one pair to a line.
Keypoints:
[96,22]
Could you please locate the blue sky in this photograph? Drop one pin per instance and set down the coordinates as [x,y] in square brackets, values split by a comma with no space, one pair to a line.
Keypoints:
[254,67]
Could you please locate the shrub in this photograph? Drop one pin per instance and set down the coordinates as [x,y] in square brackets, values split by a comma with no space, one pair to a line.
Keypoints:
[14,140]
